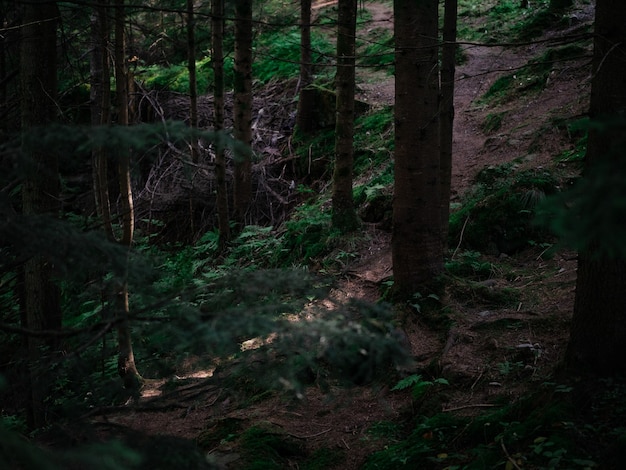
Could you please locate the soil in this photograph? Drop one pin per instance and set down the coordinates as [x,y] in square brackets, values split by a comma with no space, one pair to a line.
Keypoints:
[495,352]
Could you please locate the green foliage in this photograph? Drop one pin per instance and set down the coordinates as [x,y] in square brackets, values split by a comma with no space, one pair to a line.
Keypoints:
[495,19]
[576,154]
[373,140]
[175,77]
[308,234]
[277,54]
[469,264]
[506,20]
[493,122]
[418,385]
[498,212]
[18,452]
[263,446]
[267,449]
[533,76]
[426,446]
[378,53]
[420,302]
[588,214]
[544,430]
[499,88]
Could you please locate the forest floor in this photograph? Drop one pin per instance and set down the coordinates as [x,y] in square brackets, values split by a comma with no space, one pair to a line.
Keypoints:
[494,353]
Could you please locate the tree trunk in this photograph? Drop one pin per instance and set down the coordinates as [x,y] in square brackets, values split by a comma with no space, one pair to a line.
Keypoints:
[306,99]
[446,117]
[40,191]
[598,332]
[343,213]
[242,110]
[560,4]
[100,102]
[126,360]
[417,249]
[193,87]
[4,77]
[193,108]
[217,40]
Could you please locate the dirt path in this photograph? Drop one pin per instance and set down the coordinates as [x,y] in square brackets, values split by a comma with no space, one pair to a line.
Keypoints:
[527,337]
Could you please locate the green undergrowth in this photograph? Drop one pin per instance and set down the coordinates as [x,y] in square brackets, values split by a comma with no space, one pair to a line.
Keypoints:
[262,446]
[577,131]
[507,20]
[175,77]
[378,51]
[558,426]
[533,77]
[277,54]
[496,215]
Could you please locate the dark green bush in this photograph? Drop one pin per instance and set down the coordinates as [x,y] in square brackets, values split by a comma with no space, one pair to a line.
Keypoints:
[497,214]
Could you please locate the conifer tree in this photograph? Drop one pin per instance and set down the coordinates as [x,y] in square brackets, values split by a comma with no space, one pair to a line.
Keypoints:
[40,191]
[417,248]
[598,331]
[344,215]
[242,109]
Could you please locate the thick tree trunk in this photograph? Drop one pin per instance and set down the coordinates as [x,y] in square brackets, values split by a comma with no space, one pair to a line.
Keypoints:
[598,333]
[417,249]
[217,40]
[242,109]
[343,213]
[40,191]
[560,4]
[306,99]
[126,360]
[446,119]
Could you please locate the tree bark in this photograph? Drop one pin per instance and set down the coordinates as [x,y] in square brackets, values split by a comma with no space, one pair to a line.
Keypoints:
[100,102]
[126,359]
[343,213]
[446,118]
[242,109]
[40,191]
[306,98]
[598,331]
[193,87]
[417,249]
[217,59]
[560,4]
[193,108]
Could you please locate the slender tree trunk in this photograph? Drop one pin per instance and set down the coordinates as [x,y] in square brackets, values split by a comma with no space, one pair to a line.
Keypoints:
[446,117]
[217,40]
[598,332]
[417,249]
[306,99]
[191,66]
[242,109]
[4,75]
[126,359]
[343,213]
[100,98]
[40,191]
[193,106]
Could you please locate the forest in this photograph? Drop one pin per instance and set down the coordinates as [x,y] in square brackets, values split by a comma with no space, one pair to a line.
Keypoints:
[315,234]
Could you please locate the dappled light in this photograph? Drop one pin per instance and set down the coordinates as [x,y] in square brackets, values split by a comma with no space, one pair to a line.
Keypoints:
[264,260]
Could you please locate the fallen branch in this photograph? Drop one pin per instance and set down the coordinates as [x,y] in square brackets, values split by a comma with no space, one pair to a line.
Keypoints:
[476,405]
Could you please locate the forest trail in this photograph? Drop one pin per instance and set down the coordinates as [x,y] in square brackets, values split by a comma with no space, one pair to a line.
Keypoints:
[535,327]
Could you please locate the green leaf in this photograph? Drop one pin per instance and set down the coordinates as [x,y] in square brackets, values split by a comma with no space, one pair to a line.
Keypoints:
[407,382]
